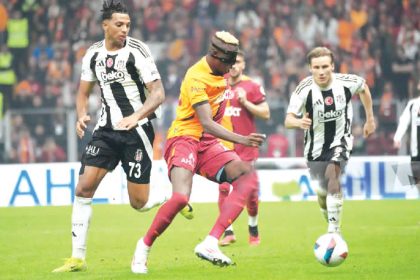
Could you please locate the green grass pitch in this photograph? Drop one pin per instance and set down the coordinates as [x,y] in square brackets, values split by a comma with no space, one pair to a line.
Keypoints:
[383,239]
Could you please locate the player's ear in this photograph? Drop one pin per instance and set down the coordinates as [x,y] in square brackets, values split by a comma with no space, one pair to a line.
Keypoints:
[332,66]
[105,25]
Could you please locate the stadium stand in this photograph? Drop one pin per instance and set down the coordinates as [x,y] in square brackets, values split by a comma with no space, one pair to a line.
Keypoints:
[43,41]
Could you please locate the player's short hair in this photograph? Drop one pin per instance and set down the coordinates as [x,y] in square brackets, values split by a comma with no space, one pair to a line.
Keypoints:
[225,43]
[113,6]
[318,52]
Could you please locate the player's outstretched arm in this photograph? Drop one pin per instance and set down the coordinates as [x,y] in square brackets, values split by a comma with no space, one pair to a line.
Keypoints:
[154,100]
[366,99]
[203,112]
[292,121]
[82,102]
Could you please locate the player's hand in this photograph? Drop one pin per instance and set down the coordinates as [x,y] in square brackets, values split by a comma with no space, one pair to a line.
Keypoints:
[254,139]
[241,95]
[127,123]
[369,128]
[397,144]
[81,125]
[305,122]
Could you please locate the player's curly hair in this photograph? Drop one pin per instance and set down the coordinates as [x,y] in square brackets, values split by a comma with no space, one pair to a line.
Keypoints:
[113,6]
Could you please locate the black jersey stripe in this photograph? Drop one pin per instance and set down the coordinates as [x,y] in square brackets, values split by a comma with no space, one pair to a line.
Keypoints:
[92,63]
[329,126]
[309,109]
[347,128]
[150,132]
[106,111]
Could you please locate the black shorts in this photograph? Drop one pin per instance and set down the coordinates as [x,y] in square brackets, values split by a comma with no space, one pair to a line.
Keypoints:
[415,167]
[108,147]
[337,155]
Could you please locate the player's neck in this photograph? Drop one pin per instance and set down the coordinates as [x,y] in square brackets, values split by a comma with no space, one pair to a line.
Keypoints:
[112,47]
[234,80]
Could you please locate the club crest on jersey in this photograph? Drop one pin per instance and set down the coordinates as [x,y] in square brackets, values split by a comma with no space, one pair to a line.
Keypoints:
[119,64]
[139,155]
[329,100]
[109,62]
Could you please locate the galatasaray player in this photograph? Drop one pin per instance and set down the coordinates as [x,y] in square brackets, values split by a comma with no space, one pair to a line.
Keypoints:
[245,101]
[192,147]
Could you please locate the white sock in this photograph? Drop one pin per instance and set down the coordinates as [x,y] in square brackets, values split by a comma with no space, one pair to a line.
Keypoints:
[253,221]
[229,228]
[156,198]
[211,240]
[334,208]
[82,211]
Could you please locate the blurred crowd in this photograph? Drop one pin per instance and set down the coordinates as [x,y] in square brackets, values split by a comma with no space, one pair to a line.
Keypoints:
[42,43]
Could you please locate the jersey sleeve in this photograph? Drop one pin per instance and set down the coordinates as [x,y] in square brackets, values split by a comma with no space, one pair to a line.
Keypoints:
[297,101]
[146,65]
[355,83]
[257,95]
[87,73]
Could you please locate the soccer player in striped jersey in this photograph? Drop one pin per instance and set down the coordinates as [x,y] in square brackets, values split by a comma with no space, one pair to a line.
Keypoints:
[131,94]
[193,147]
[411,118]
[321,106]
[246,100]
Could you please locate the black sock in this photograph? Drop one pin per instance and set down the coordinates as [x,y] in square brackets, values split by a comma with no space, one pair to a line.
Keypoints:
[253,231]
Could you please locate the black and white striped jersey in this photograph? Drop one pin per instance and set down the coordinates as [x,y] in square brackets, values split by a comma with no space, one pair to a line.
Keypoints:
[329,109]
[122,76]
[411,116]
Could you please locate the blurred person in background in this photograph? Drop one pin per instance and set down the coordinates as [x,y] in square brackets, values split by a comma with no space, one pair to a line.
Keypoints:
[411,118]
[132,93]
[321,106]
[246,100]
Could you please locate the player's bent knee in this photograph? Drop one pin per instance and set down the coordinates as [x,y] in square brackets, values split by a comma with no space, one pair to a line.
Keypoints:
[138,203]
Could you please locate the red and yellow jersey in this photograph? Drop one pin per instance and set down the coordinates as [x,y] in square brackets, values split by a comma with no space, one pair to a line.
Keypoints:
[199,86]
[238,119]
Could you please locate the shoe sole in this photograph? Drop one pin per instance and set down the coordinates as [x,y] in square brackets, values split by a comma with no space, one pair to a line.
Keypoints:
[215,261]
[224,244]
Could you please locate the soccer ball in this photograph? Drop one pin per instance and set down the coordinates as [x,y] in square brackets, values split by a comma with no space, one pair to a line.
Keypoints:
[330,249]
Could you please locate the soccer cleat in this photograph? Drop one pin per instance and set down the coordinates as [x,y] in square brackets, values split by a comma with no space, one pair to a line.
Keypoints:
[187,212]
[139,262]
[228,239]
[254,240]
[212,254]
[72,265]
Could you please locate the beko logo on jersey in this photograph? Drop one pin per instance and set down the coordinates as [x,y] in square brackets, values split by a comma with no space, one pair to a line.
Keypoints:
[233,111]
[114,76]
[330,115]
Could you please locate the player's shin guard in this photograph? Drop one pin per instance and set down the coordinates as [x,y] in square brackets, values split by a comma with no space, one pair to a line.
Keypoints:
[334,208]
[82,212]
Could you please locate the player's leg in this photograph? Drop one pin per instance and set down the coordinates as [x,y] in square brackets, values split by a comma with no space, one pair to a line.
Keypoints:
[181,174]
[225,167]
[229,235]
[98,158]
[82,211]
[334,200]
[252,209]
[415,169]
[317,172]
